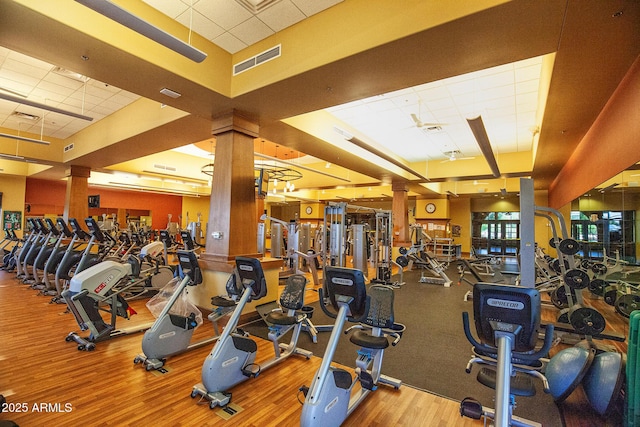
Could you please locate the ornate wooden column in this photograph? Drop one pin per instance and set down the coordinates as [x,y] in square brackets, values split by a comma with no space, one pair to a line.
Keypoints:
[400,212]
[76,203]
[232,210]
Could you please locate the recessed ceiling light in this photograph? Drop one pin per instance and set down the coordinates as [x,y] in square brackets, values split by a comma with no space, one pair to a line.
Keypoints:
[255,6]
[170,93]
[26,116]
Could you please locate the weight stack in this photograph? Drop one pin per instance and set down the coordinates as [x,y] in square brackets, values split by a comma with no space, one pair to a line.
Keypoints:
[632,394]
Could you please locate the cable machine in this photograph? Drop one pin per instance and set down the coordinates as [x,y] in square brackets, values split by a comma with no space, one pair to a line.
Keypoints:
[343,239]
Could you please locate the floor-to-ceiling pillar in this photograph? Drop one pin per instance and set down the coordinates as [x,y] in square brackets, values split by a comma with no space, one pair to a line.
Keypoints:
[232,211]
[400,214]
[76,203]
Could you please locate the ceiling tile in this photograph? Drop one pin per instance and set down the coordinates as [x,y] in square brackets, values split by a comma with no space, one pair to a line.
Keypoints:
[171,8]
[229,42]
[225,13]
[251,31]
[281,15]
[201,24]
[311,7]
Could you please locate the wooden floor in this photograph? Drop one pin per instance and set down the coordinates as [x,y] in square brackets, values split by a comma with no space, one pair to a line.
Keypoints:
[48,382]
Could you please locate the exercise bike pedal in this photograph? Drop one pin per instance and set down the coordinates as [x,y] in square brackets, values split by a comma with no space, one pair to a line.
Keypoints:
[252,370]
[366,381]
[471,408]
[304,389]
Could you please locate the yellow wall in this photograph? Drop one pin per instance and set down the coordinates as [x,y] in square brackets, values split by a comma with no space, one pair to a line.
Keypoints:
[317,211]
[442,209]
[193,206]
[13,191]
[460,209]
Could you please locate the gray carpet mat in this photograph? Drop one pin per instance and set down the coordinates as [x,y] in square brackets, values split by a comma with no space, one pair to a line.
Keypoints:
[433,352]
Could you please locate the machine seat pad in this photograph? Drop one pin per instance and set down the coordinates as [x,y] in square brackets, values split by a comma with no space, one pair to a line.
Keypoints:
[292,296]
[280,318]
[222,302]
[366,340]
[521,384]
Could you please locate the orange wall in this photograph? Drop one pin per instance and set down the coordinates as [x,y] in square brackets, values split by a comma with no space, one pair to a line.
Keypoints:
[47,197]
[610,146]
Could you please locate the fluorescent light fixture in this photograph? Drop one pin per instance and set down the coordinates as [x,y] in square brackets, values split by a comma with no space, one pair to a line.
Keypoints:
[480,133]
[608,187]
[170,93]
[11,157]
[25,101]
[352,139]
[23,138]
[13,92]
[140,26]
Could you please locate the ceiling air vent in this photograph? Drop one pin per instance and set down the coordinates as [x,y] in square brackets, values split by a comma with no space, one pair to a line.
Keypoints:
[254,61]
[164,167]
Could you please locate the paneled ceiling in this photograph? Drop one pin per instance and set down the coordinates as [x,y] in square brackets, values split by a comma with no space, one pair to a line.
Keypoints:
[422,125]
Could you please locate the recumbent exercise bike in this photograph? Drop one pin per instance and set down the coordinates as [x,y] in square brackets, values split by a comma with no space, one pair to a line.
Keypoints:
[507,319]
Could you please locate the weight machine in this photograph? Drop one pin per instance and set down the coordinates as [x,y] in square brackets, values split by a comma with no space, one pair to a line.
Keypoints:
[418,255]
[343,239]
[295,259]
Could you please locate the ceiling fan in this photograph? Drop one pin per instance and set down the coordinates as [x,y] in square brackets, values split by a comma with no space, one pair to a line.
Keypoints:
[455,155]
[420,124]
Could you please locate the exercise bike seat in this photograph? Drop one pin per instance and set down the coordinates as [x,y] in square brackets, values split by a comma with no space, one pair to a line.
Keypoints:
[233,292]
[521,384]
[291,299]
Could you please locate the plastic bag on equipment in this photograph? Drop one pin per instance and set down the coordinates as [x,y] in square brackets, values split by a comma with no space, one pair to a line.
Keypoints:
[182,306]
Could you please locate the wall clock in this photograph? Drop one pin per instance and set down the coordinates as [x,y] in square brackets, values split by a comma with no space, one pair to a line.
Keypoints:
[430,208]
[309,210]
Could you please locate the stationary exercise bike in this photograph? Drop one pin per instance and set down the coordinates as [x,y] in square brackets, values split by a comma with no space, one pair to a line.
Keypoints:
[232,359]
[328,400]
[507,320]
[171,333]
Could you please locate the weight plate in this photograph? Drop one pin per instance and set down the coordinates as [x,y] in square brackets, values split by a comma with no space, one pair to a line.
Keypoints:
[599,268]
[627,303]
[586,320]
[552,242]
[555,265]
[586,264]
[610,294]
[597,287]
[569,247]
[559,297]
[576,279]
[403,250]
[556,299]
[563,317]
[402,261]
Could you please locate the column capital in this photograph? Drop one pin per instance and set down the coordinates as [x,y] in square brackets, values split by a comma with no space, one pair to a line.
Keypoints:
[399,186]
[78,171]
[235,121]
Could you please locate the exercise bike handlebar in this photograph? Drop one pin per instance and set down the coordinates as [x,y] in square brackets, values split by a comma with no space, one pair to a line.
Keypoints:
[542,352]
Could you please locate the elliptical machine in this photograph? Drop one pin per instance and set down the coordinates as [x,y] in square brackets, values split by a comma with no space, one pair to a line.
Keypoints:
[232,359]
[328,401]
[171,333]
[102,288]
[507,320]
